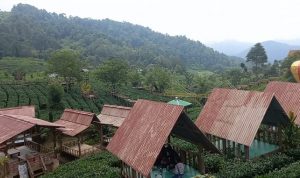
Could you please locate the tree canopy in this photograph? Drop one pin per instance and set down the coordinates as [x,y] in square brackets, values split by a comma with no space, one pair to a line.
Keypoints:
[113,72]
[66,63]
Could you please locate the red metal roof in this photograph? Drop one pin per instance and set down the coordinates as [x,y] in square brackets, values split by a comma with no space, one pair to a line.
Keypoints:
[288,95]
[21,110]
[234,114]
[113,115]
[142,135]
[75,121]
[13,125]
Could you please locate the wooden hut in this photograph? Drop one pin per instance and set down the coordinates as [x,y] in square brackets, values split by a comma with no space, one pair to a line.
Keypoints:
[243,122]
[288,95]
[17,128]
[139,140]
[112,116]
[76,124]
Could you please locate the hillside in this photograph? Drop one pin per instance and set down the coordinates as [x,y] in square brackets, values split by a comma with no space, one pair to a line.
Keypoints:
[29,32]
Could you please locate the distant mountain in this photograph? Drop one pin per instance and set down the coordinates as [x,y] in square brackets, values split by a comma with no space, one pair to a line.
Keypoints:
[29,32]
[230,47]
[275,50]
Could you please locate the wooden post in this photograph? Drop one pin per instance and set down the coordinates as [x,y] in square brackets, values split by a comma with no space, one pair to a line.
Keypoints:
[54,138]
[224,145]
[239,150]
[79,146]
[101,133]
[169,139]
[247,152]
[200,160]
[280,136]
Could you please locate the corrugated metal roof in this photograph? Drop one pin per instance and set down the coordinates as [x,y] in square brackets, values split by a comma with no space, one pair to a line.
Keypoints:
[21,110]
[234,114]
[13,125]
[113,115]
[142,135]
[288,95]
[75,121]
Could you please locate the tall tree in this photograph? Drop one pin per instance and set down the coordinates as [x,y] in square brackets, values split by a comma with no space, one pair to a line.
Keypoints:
[66,63]
[257,55]
[113,72]
[158,79]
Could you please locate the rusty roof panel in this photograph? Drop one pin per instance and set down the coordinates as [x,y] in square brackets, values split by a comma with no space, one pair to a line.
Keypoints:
[13,125]
[288,95]
[113,115]
[234,114]
[21,110]
[75,121]
[142,135]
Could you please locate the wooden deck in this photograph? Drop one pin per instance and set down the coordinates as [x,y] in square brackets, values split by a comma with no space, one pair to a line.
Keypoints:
[71,148]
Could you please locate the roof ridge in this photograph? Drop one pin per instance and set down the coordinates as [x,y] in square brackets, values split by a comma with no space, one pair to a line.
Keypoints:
[79,112]
[116,106]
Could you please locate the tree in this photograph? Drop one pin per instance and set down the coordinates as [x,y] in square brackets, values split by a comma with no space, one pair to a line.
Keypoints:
[55,95]
[257,56]
[291,133]
[158,79]
[66,63]
[113,72]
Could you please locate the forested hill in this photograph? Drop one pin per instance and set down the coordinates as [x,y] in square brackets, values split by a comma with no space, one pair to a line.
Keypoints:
[29,32]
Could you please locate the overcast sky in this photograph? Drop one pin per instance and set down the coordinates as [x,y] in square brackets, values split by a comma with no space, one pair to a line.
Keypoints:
[203,20]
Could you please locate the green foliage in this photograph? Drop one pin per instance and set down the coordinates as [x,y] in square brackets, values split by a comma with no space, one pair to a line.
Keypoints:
[241,169]
[55,95]
[158,79]
[29,32]
[113,72]
[257,55]
[214,163]
[291,133]
[102,165]
[66,63]
[291,171]
[294,153]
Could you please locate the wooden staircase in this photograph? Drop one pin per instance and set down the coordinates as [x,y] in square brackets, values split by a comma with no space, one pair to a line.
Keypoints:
[36,165]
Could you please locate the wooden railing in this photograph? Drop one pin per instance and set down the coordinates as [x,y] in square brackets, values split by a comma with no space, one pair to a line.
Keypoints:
[188,157]
[270,135]
[38,147]
[70,151]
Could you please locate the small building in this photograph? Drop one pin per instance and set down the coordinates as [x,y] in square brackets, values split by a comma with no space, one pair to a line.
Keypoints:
[288,95]
[243,122]
[179,102]
[17,128]
[76,124]
[112,116]
[139,141]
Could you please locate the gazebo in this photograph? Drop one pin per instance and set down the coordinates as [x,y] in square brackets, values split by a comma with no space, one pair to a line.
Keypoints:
[243,122]
[76,124]
[179,102]
[113,117]
[17,128]
[287,94]
[139,140]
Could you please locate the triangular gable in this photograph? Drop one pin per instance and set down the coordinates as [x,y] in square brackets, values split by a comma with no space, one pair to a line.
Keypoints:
[236,115]
[288,95]
[142,135]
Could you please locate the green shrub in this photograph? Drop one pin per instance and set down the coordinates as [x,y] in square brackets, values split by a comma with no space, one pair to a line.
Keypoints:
[214,163]
[252,168]
[294,153]
[291,171]
[102,165]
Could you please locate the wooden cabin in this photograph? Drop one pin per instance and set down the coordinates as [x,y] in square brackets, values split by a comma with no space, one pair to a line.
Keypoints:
[111,117]
[288,95]
[243,123]
[76,124]
[139,141]
[18,127]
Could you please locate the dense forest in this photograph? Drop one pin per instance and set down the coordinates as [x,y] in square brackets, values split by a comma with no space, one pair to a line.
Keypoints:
[29,32]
